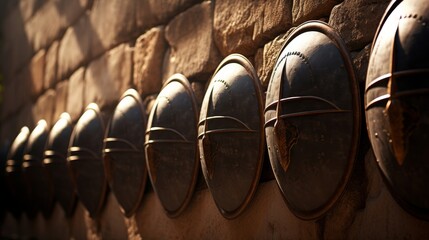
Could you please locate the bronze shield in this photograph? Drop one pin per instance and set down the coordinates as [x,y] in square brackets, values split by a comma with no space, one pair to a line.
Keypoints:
[39,185]
[13,176]
[56,163]
[396,103]
[312,119]
[85,160]
[171,144]
[124,158]
[230,134]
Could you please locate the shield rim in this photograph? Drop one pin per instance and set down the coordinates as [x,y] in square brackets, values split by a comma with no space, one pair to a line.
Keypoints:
[181,79]
[247,65]
[413,210]
[327,30]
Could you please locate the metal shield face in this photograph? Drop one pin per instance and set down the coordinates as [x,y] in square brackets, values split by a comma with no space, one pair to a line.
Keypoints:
[171,144]
[13,176]
[312,119]
[39,185]
[230,134]
[85,160]
[56,163]
[124,158]
[396,103]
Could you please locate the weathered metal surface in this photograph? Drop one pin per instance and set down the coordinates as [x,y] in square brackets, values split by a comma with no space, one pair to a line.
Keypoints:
[124,158]
[230,134]
[39,185]
[396,103]
[171,144]
[85,160]
[13,176]
[312,119]
[55,162]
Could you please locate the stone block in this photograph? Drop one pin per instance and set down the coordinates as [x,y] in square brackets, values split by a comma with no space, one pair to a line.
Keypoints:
[149,53]
[51,66]
[26,116]
[29,7]
[304,10]
[360,63]
[75,47]
[23,89]
[357,21]
[242,26]
[61,96]
[75,94]
[112,22]
[192,49]
[37,71]
[107,77]
[154,12]
[44,107]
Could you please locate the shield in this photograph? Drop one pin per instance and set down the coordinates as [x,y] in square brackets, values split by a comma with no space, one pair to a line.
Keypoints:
[39,185]
[171,145]
[312,119]
[396,97]
[55,162]
[85,160]
[230,134]
[13,176]
[124,158]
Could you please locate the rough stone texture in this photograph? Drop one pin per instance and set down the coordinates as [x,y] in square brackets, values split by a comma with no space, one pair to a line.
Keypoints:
[51,66]
[75,95]
[199,89]
[357,21]
[112,22]
[360,62]
[109,76]
[242,26]
[44,107]
[75,47]
[192,50]
[61,97]
[153,12]
[25,116]
[37,70]
[149,53]
[303,10]
[112,221]
[29,7]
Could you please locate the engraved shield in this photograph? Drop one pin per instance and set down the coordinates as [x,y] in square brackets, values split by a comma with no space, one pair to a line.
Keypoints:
[171,145]
[312,119]
[396,103]
[13,177]
[85,160]
[230,134]
[124,158]
[56,163]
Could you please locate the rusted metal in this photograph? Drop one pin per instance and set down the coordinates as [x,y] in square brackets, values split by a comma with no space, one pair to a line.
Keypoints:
[86,162]
[171,145]
[396,97]
[39,185]
[13,176]
[230,134]
[312,119]
[124,157]
[55,162]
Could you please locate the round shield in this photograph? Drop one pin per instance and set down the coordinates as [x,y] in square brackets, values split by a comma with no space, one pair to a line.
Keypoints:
[124,158]
[171,144]
[56,163]
[13,176]
[396,97]
[39,186]
[312,119]
[230,134]
[85,160]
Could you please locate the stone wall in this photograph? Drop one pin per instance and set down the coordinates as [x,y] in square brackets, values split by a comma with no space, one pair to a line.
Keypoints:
[61,55]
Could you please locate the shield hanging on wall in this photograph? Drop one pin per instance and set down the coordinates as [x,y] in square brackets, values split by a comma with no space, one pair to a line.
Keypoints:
[396,103]
[124,158]
[230,134]
[55,162]
[171,144]
[312,119]
[85,160]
